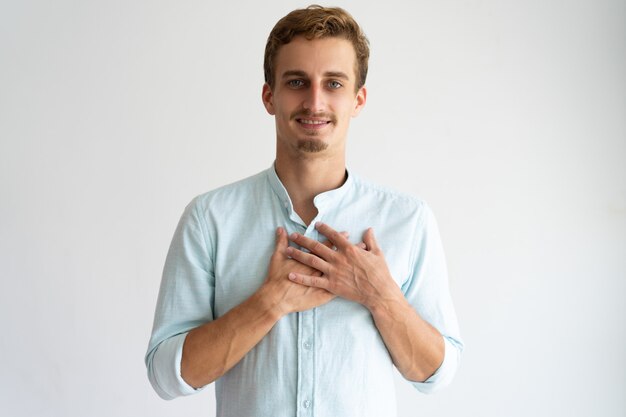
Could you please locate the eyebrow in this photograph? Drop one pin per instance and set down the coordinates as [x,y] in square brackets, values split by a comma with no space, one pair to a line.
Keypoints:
[330,74]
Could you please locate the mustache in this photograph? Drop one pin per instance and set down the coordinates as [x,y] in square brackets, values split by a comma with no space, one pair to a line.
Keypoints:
[300,114]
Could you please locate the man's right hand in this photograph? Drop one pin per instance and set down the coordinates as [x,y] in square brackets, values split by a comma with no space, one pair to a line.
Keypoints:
[213,348]
[287,296]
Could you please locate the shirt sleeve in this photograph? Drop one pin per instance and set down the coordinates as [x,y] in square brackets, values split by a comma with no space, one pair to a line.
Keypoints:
[186,300]
[428,292]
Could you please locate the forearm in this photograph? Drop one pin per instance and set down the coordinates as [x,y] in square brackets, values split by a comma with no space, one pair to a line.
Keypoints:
[214,348]
[417,348]
[359,273]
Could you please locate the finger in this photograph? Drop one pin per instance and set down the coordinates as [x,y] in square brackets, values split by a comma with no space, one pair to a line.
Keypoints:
[308,259]
[320,249]
[282,242]
[330,244]
[309,280]
[332,235]
[370,240]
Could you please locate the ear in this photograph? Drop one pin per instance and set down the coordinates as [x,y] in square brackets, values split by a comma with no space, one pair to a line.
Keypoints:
[268,98]
[359,101]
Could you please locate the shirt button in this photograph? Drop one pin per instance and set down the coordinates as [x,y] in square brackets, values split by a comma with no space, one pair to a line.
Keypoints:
[306,403]
[307,345]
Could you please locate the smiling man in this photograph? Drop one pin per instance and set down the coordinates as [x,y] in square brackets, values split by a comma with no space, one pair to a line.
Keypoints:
[298,289]
[314,97]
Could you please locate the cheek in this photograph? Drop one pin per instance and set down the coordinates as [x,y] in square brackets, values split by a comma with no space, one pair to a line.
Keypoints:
[285,107]
[346,103]
[345,108]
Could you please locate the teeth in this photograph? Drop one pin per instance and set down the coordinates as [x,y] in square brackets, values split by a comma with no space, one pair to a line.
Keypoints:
[312,122]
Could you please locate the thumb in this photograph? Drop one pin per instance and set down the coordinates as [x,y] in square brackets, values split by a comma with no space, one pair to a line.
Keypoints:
[281,242]
[370,240]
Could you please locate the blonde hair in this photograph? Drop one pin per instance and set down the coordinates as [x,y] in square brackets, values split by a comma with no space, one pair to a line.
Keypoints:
[317,22]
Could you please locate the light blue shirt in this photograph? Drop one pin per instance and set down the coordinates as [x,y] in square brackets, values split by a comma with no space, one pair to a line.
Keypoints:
[325,362]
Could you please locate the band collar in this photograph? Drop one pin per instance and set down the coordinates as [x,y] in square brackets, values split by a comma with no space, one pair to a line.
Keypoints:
[322,201]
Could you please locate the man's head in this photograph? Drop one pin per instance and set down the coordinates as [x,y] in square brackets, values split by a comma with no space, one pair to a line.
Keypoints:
[316,22]
[315,68]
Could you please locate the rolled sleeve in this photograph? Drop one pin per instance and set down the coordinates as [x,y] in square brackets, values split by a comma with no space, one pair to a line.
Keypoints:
[427,290]
[186,299]
[164,369]
[446,371]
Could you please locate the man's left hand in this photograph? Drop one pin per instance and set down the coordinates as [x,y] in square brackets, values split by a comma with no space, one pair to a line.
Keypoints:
[354,272]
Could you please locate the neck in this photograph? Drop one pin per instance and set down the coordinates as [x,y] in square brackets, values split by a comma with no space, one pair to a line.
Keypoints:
[306,177]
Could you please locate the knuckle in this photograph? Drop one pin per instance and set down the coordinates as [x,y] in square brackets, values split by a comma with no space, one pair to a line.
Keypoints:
[351,250]
[315,261]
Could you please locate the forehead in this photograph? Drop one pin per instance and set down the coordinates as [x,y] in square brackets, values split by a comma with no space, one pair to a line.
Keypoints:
[317,56]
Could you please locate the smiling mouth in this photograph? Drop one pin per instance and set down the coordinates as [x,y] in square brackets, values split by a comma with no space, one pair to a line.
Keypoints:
[312,123]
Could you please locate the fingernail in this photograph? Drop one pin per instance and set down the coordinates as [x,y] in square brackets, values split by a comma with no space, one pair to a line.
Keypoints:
[318,224]
[294,236]
[278,231]
[292,276]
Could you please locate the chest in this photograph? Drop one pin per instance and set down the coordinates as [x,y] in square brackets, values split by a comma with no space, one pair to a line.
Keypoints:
[242,254]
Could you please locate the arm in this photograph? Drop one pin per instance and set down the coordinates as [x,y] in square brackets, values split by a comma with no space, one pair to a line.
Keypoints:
[189,347]
[359,273]
[416,347]
[213,348]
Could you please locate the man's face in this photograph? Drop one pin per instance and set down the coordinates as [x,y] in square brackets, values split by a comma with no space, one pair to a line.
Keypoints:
[314,95]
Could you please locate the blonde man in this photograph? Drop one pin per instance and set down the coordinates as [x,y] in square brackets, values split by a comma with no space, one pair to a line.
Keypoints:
[262,293]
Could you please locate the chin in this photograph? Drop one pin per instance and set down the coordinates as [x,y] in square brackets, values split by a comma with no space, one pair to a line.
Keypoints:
[312,145]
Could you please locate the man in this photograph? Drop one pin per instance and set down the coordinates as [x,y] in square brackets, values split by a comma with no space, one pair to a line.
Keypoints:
[262,293]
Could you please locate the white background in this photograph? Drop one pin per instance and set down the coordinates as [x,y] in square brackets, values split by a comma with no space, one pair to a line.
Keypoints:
[508,117]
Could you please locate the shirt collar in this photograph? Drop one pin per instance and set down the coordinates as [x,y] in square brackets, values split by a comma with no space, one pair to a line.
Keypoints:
[322,201]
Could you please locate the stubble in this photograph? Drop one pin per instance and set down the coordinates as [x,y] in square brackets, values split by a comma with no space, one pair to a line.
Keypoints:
[312,145]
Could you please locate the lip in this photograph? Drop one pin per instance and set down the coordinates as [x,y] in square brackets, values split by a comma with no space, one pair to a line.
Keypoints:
[312,122]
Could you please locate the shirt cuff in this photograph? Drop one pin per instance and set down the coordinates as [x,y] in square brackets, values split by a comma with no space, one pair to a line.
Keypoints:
[165,374]
[444,374]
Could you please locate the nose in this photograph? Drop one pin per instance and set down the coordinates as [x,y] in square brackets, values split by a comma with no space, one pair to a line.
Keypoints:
[314,100]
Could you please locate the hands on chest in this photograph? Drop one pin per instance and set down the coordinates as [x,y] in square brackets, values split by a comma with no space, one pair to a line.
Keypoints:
[300,280]
[334,268]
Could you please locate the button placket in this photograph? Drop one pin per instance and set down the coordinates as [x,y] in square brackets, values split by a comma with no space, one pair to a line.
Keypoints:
[306,352]
[306,365]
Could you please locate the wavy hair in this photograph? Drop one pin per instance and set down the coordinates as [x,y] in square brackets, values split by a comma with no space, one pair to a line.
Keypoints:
[317,22]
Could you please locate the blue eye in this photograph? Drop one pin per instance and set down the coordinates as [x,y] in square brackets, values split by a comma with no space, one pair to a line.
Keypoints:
[335,85]
[295,83]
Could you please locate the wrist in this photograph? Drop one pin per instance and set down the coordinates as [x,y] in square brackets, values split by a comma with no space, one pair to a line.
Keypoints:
[386,304]
[266,297]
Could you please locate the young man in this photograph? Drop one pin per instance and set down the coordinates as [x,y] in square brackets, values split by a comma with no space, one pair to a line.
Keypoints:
[262,293]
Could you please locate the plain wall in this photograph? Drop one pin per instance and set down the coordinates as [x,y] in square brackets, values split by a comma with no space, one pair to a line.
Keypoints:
[508,117]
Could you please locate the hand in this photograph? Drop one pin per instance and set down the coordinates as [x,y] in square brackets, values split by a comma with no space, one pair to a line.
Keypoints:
[354,272]
[286,295]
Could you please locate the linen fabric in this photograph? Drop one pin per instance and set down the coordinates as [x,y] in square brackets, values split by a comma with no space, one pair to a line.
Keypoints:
[325,362]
